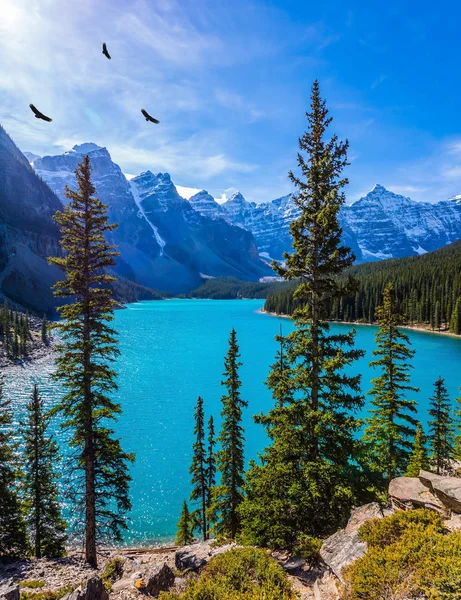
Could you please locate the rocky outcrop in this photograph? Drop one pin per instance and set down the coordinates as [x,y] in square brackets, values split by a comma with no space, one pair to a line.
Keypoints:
[344,547]
[9,591]
[92,589]
[412,492]
[158,579]
[448,491]
[196,556]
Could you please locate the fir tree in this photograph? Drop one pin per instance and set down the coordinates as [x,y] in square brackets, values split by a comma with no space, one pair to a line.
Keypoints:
[455,321]
[392,425]
[198,469]
[44,330]
[441,427]
[279,380]
[45,524]
[86,352]
[13,539]
[228,495]
[418,458]
[303,483]
[211,463]
[184,534]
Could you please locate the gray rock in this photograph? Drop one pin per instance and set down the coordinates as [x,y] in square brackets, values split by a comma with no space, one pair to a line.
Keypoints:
[344,547]
[410,490]
[158,579]
[187,560]
[92,589]
[9,591]
[196,556]
[294,563]
[426,478]
[448,491]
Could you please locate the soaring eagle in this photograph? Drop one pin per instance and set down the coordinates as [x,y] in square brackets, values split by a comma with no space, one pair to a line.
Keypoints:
[148,117]
[38,114]
[105,51]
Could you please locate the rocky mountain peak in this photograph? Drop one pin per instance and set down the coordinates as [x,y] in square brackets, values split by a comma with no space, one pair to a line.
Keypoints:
[85,148]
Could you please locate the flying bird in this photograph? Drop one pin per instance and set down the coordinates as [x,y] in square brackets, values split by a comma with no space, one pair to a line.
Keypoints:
[38,114]
[148,117]
[105,51]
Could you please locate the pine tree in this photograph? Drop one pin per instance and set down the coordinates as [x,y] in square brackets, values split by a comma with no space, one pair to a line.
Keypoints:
[455,321]
[184,534]
[211,465]
[303,483]
[228,495]
[279,380]
[44,331]
[87,350]
[198,470]
[391,426]
[45,524]
[13,539]
[418,458]
[6,330]
[441,427]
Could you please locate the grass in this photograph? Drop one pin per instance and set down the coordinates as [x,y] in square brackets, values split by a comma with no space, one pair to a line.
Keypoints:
[32,583]
[112,571]
[48,594]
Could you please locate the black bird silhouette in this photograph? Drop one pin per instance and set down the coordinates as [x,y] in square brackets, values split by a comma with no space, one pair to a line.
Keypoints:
[148,117]
[38,114]
[105,51]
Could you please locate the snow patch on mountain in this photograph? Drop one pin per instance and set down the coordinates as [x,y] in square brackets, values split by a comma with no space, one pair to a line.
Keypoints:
[158,238]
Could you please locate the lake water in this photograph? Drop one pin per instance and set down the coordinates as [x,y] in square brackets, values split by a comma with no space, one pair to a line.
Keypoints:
[171,352]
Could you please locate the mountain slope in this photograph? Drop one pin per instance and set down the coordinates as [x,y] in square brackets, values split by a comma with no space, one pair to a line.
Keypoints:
[28,234]
[164,242]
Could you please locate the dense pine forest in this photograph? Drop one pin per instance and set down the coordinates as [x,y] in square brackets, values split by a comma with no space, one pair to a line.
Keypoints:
[427,290]
[231,288]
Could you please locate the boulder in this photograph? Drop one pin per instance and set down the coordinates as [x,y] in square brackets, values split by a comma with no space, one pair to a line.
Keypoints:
[196,556]
[9,591]
[427,478]
[92,589]
[410,490]
[158,579]
[448,491]
[344,547]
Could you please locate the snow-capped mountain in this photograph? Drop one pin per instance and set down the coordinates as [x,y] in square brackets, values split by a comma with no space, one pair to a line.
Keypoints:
[164,242]
[380,225]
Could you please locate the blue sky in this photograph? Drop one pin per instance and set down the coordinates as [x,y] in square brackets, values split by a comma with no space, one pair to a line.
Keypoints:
[230,81]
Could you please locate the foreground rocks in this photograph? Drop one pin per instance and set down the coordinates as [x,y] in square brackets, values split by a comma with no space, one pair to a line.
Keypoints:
[92,589]
[196,556]
[412,492]
[344,547]
[9,591]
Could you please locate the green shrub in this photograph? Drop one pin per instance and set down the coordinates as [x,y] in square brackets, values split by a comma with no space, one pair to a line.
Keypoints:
[48,594]
[32,583]
[382,532]
[309,548]
[239,574]
[112,571]
[409,556]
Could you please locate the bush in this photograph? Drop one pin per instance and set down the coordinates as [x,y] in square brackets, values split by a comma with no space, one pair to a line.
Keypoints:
[409,556]
[309,548]
[239,574]
[47,594]
[32,583]
[112,571]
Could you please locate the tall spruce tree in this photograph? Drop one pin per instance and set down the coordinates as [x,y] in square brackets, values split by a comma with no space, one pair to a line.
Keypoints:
[184,533]
[45,524]
[86,352]
[228,495]
[303,483]
[198,470]
[211,466]
[13,538]
[391,427]
[418,458]
[44,329]
[441,428]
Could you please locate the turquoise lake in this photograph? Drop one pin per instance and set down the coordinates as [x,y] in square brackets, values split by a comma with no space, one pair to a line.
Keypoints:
[171,352]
